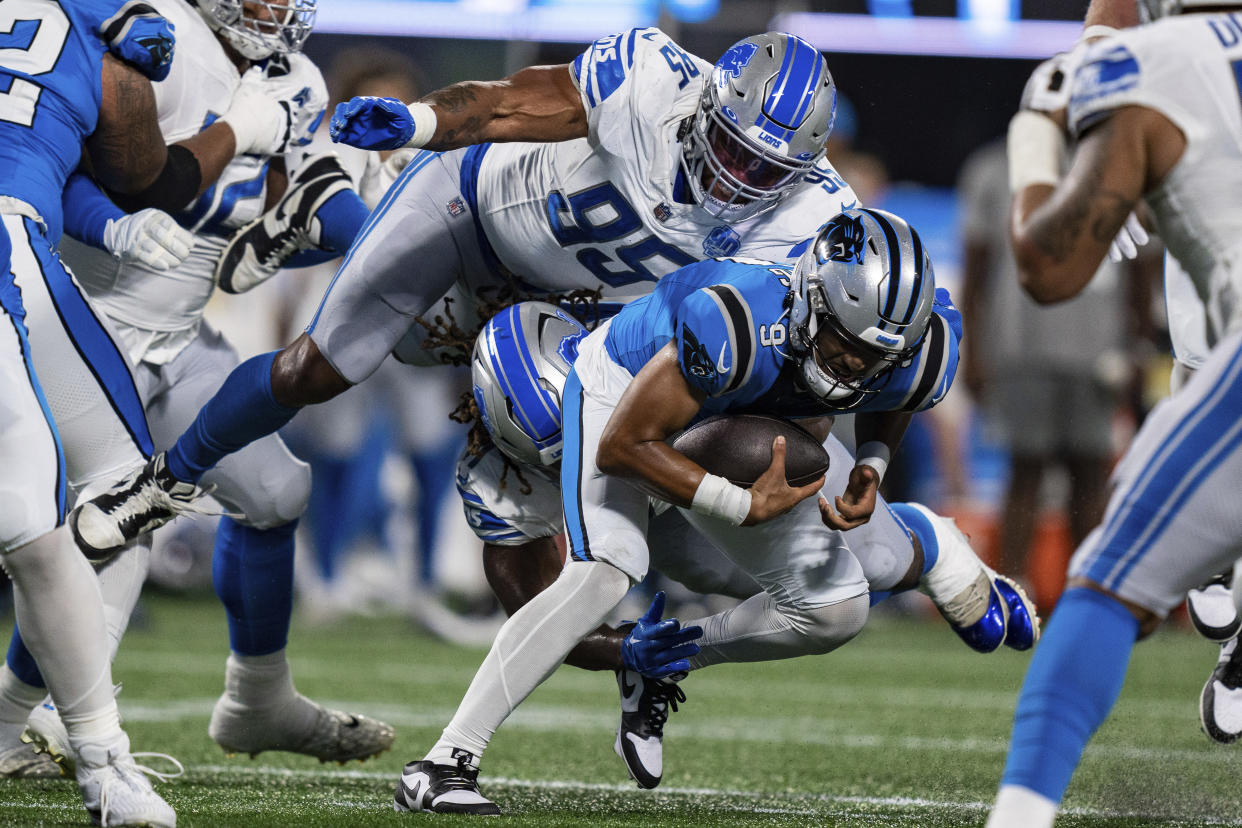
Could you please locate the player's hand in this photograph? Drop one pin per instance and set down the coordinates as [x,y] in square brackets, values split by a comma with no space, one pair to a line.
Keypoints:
[855,506]
[372,123]
[772,496]
[150,237]
[1129,239]
[262,120]
[659,647]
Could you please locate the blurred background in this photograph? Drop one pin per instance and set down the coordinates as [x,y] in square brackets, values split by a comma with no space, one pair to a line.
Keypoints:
[1044,402]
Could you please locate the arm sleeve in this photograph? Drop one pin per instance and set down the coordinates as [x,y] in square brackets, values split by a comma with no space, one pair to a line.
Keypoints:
[87,209]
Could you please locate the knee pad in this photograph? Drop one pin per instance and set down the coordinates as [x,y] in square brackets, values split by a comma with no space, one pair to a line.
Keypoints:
[827,628]
[270,495]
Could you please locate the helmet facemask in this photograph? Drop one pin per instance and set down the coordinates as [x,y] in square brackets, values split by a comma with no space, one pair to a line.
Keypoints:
[271,27]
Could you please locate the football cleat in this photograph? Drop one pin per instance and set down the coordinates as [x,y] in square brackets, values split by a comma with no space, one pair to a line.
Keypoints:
[443,789]
[146,500]
[46,735]
[299,726]
[257,251]
[116,791]
[23,761]
[1212,611]
[645,705]
[1220,704]
[1022,627]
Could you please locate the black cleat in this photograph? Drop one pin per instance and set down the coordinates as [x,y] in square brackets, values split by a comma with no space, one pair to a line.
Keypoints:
[645,705]
[1220,704]
[1211,609]
[443,789]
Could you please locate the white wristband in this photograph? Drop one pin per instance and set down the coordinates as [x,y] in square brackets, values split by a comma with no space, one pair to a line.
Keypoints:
[876,455]
[719,498]
[1098,30]
[424,118]
[1036,150]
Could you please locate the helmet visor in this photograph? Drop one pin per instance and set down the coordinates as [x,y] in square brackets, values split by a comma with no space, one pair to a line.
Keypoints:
[750,169]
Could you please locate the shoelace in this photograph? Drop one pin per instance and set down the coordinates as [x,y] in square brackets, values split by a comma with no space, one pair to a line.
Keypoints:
[465,779]
[661,699]
[123,769]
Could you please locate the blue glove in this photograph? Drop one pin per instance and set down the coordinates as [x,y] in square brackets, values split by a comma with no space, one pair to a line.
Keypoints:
[658,648]
[147,43]
[371,123]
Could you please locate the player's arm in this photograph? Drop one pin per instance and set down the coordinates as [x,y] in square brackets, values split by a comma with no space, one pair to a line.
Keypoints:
[539,103]
[1060,233]
[658,404]
[877,436]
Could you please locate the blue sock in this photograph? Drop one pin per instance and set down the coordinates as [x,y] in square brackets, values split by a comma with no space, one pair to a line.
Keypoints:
[22,663]
[242,411]
[341,217]
[1071,685]
[917,523]
[252,570]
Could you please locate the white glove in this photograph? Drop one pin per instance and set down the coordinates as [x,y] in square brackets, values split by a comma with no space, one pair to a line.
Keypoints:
[262,122]
[1129,239]
[150,237]
[380,175]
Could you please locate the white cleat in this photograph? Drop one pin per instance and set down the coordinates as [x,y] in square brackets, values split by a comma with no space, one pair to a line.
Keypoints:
[45,733]
[443,789]
[1220,704]
[1211,609]
[298,726]
[645,706]
[116,791]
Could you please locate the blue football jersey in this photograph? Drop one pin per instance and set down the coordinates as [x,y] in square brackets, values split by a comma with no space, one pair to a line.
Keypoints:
[728,319]
[51,57]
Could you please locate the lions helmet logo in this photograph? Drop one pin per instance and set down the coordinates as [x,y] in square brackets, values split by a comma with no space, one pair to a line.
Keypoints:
[734,60]
[845,239]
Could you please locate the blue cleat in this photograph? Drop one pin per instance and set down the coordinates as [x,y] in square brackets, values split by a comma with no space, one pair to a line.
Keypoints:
[991,629]
[1022,628]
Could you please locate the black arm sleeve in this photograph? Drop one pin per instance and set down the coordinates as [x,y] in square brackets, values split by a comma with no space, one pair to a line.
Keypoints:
[175,187]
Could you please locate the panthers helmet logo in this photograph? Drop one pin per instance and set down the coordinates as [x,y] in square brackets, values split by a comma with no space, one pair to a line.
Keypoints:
[845,239]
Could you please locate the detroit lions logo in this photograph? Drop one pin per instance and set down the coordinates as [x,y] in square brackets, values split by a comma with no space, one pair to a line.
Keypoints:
[845,240]
[736,58]
[721,242]
[694,356]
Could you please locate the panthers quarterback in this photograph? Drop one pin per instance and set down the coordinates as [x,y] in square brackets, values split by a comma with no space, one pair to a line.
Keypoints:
[607,173]
[857,325]
[239,66]
[1154,110]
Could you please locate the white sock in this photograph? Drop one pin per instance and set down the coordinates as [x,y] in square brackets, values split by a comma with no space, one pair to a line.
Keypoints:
[258,681]
[120,583]
[60,611]
[17,699]
[1019,807]
[528,648]
[958,583]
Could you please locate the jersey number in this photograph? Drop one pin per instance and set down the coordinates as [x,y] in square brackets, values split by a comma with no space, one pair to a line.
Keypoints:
[601,214]
[32,35]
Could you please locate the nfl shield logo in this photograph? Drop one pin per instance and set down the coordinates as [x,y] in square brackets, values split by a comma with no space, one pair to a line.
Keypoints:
[662,211]
[456,207]
[722,241]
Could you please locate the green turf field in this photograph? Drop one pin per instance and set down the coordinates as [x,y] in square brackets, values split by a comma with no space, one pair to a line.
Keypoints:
[902,727]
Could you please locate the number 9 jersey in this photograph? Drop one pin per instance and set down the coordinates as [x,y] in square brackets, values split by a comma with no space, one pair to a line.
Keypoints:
[608,211]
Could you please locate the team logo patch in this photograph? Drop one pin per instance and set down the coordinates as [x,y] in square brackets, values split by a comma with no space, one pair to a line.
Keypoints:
[722,241]
[694,355]
[456,208]
[662,211]
[845,239]
[735,59]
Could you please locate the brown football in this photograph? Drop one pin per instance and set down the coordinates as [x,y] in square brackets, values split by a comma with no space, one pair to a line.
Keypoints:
[739,448]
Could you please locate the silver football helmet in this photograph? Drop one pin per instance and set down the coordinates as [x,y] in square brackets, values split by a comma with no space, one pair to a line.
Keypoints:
[521,360]
[265,28]
[867,280]
[761,126]
[1154,9]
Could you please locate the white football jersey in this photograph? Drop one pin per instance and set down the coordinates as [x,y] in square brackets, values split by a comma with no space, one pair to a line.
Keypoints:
[166,306]
[602,211]
[1186,68]
[497,510]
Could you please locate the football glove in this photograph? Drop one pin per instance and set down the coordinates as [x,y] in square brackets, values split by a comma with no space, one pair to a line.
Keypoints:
[1129,239]
[372,123]
[658,648]
[149,237]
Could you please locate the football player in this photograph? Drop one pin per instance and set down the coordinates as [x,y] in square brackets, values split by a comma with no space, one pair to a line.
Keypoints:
[1154,112]
[238,63]
[857,325]
[76,84]
[604,174]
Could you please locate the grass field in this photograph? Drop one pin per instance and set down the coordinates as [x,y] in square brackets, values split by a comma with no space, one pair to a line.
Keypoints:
[902,727]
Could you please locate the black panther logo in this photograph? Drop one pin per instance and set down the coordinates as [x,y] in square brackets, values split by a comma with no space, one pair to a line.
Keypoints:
[694,355]
[845,239]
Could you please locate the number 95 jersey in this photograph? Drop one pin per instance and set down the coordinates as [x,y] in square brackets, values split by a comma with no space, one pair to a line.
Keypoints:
[604,211]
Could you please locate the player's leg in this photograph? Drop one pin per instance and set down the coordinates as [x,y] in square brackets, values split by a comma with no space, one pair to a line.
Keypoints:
[606,519]
[1170,524]
[408,253]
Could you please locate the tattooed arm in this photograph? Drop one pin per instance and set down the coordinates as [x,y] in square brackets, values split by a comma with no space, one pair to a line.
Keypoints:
[539,103]
[126,150]
[1060,235]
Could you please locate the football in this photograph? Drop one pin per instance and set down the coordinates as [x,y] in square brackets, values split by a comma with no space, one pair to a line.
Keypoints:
[739,448]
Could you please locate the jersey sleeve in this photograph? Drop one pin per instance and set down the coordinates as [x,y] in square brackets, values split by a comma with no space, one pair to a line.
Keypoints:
[138,35]
[297,77]
[496,506]
[626,80]
[926,378]
[716,339]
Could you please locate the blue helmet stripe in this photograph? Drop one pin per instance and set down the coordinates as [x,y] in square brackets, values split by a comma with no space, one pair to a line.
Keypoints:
[533,407]
[808,94]
[894,267]
[797,76]
[778,86]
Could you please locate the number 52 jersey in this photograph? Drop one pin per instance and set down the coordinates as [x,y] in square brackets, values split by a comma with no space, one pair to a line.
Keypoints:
[604,211]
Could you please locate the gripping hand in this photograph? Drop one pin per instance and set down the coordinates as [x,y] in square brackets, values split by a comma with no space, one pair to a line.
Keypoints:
[149,237]
[372,123]
[659,647]
[1128,240]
